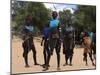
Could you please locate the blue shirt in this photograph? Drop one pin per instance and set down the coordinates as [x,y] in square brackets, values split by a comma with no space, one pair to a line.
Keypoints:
[54,23]
[91,35]
[30,28]
[46,32]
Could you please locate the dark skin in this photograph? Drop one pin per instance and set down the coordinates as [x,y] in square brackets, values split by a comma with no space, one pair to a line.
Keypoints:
[29,45]
[45,50]
[90,53]
[68,54]
[54,15]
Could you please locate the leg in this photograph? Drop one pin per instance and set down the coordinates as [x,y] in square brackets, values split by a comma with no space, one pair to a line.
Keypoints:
[34,54]
[94,52]
[71,57]
[90,55]
[44,52]
[45,57]
[58,54]
[85,58]
[64,52]
[47,62]
[71,60]
[66,60]
[58,58]
[25,54]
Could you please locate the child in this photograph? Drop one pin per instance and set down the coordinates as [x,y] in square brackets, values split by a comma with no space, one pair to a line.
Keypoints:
[46,45]
[87,49]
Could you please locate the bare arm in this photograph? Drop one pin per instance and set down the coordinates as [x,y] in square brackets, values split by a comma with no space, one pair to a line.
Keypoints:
[42,41]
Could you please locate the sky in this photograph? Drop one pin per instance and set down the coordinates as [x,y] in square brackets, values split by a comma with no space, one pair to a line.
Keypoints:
[61,7]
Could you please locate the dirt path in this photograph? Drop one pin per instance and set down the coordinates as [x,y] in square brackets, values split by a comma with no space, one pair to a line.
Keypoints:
[18,61]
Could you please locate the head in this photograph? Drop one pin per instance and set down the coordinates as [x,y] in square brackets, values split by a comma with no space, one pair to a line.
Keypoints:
[29,17]
[28,20]
[86,34]
[54,14]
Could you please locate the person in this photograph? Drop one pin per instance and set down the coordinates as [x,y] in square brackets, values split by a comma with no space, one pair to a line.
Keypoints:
[27,43]
[68,43]
[54,40]
[87,48]
[93,43]
[94,47]
[45,40]
[91,34]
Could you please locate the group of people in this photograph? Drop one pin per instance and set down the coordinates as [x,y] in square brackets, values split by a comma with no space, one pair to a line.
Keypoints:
[52,38]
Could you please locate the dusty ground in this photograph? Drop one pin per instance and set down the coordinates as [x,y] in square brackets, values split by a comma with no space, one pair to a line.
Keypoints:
[18,61]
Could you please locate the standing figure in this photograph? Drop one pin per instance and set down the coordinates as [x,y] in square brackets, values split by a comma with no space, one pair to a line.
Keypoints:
[45,43]
[68,43]
[28,43]
[54,40]
[87,48]
[94,47]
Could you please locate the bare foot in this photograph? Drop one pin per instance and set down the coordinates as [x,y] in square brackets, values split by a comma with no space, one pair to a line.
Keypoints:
[86,64]
[93,64]
[65,64]
[36,64]
[44,65]
[46,68]
[27,66]
[70,64]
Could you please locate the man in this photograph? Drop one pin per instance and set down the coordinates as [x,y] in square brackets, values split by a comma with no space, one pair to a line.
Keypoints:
[68,43]
[28,41]
[54,40]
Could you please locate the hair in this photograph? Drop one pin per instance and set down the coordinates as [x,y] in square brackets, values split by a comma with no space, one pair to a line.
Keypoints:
[86,34]
[54,12]
[28,17]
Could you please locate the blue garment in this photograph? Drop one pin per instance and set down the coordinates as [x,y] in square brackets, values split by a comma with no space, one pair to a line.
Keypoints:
[91,35]
[54,23]
[29,28]
[46,32]
[69,29]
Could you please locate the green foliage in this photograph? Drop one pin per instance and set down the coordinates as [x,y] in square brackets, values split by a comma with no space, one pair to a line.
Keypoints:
[65,15]
[40,15]
[86,18]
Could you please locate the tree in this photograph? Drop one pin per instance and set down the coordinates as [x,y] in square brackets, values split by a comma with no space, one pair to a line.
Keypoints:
[40,15]
[65,15]
[86,18]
